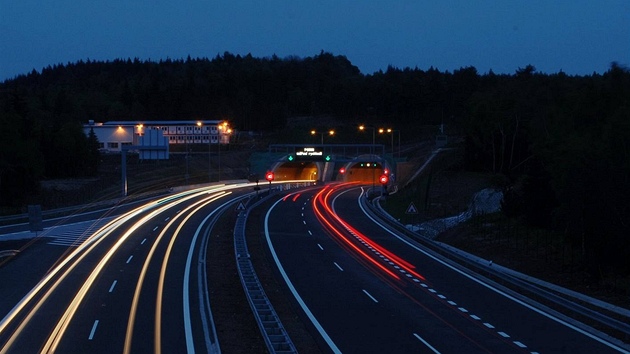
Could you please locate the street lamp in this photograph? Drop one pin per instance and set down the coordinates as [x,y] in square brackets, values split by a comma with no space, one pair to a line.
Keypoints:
[224,129]
[392,131]
[331,132]
[200,125]
[363,127]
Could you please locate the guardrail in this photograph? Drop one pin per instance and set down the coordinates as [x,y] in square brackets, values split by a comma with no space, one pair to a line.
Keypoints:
[273,332]
[564,298]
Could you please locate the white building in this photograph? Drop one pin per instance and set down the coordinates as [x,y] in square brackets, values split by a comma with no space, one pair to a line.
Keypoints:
[112,136]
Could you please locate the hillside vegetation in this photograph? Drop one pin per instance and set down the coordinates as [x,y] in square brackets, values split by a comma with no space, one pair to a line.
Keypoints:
[560,142]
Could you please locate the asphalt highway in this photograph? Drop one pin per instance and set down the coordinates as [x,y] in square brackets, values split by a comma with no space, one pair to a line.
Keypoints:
[134,286]
[367,290]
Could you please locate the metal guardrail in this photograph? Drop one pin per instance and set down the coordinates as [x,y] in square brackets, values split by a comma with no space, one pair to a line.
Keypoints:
[522,282]
[273,332]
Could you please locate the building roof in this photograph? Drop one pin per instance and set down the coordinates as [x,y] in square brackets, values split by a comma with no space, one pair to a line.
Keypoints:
[156,122]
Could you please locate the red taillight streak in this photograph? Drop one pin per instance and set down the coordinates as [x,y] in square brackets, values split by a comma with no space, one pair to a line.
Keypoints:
[401,262]
[348,242]
[296,196]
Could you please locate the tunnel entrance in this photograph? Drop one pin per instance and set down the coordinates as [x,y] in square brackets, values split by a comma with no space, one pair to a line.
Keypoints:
[363,172]
[296,170]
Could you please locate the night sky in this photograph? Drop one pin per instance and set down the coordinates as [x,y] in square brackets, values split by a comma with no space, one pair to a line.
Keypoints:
[576,37]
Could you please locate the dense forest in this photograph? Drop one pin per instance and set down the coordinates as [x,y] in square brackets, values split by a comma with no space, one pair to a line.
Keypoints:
[561,141]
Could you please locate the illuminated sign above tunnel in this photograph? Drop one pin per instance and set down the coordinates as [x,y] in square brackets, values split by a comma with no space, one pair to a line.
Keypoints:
[307,153]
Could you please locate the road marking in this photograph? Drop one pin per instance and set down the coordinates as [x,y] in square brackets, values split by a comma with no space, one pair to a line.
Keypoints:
[304,221]
[168,218]
[520,344]
[475,317]
[155,228]
[463,309]
[320,247]
[504,335]
[441,296]
[338,266]
[129,259]
[426,343]
[371,297]
[93,330]
[488,325]
[111,288]
[310,233]
[452,302]
[143,241]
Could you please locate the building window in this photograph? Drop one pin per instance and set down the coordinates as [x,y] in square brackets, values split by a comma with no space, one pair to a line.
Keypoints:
[112,145]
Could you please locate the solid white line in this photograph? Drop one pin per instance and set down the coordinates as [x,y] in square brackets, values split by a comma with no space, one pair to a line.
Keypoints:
[297,296]
[186,283]
[490,287]
[338,266]
[370,296]
[426,343]
[93,330]
[129,259]
[111,288]
[320,247]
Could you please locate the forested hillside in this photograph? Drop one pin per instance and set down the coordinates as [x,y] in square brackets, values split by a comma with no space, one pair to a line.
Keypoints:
[562,141]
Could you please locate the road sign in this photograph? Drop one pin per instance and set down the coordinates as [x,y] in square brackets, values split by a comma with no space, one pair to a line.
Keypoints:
[411,209]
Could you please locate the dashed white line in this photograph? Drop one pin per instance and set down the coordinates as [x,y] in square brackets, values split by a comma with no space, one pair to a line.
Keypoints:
[462,309]
[426,343]
[310,233]
[338,266]
[93,331]
[320,247]
[504,335]
[475,317]
[143,241]
[304,221]
[167,218]
[155,228]
[370,296]
[129,259]
[441,296]
[451,302]
[488,325]
[111,288]
[520,344]
[433,291]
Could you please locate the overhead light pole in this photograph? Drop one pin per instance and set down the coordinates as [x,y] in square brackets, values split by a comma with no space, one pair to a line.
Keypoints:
[331,132]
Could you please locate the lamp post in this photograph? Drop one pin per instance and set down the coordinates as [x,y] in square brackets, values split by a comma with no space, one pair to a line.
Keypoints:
[200,125]
[362,128]
[224,129]
[392,131]
[331,132]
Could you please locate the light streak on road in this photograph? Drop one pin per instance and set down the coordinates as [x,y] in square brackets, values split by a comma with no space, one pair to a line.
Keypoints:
[80,253]
[143,272]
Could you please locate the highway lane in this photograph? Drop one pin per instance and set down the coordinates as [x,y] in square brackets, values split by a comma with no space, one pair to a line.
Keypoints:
[369,291]
[128,288]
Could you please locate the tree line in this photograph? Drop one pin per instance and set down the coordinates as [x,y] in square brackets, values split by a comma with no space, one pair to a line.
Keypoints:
[561,141]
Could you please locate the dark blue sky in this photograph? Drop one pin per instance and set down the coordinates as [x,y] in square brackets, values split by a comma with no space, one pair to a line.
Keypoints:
[578,37]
